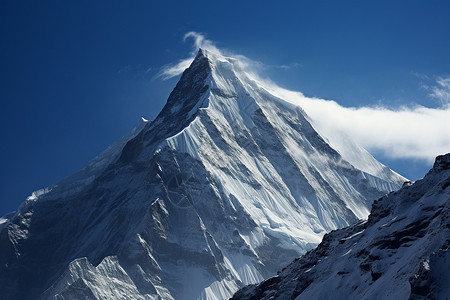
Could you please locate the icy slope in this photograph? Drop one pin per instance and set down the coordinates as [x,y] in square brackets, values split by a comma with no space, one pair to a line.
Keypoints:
[401,252]
[226,185]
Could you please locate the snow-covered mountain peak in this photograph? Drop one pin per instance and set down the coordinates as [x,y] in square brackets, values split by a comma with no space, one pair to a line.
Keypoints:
[188,91]
[228,183]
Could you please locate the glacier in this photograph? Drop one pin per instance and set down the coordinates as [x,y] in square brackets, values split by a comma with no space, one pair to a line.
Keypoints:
[228,184]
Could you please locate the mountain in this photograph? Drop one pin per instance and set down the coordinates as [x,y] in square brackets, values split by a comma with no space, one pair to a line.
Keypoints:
[400,252]
[228,184]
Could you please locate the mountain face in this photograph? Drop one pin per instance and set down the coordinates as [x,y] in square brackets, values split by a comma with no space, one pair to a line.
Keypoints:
[400,252]
[228,184]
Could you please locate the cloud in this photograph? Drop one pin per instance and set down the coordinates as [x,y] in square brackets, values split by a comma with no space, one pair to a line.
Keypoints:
[200,41]
[288,67]
[441,91]
[171,70]
[413,131]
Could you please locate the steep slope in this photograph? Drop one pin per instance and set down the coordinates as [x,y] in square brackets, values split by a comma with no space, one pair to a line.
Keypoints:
[226,185]
[401,252]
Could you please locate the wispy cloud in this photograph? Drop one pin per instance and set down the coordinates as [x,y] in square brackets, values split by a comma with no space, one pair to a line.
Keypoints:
[175,69]
[172,70]
[288,66]
[441,90]
[412,131]
[200,41]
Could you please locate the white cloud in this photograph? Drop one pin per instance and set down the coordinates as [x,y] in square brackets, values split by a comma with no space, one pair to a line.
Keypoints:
[200,41]
[407,132]
[172,70]
[413,131]
[441,91]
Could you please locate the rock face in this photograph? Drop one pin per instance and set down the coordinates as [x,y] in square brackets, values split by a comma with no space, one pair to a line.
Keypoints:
[401,252]
[228,184]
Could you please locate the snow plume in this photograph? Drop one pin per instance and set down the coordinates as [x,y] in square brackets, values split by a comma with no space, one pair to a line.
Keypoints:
[413,132]
[175,69]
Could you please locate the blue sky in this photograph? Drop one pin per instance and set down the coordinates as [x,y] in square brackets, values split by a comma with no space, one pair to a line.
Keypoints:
[76,75]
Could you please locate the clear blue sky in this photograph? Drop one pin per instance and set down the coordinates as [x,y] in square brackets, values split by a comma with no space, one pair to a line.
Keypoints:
[77,75]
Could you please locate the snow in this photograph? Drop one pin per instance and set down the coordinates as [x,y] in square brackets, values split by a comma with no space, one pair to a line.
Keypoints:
[353,235]
[3,222]
[242,268]
[219,290]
